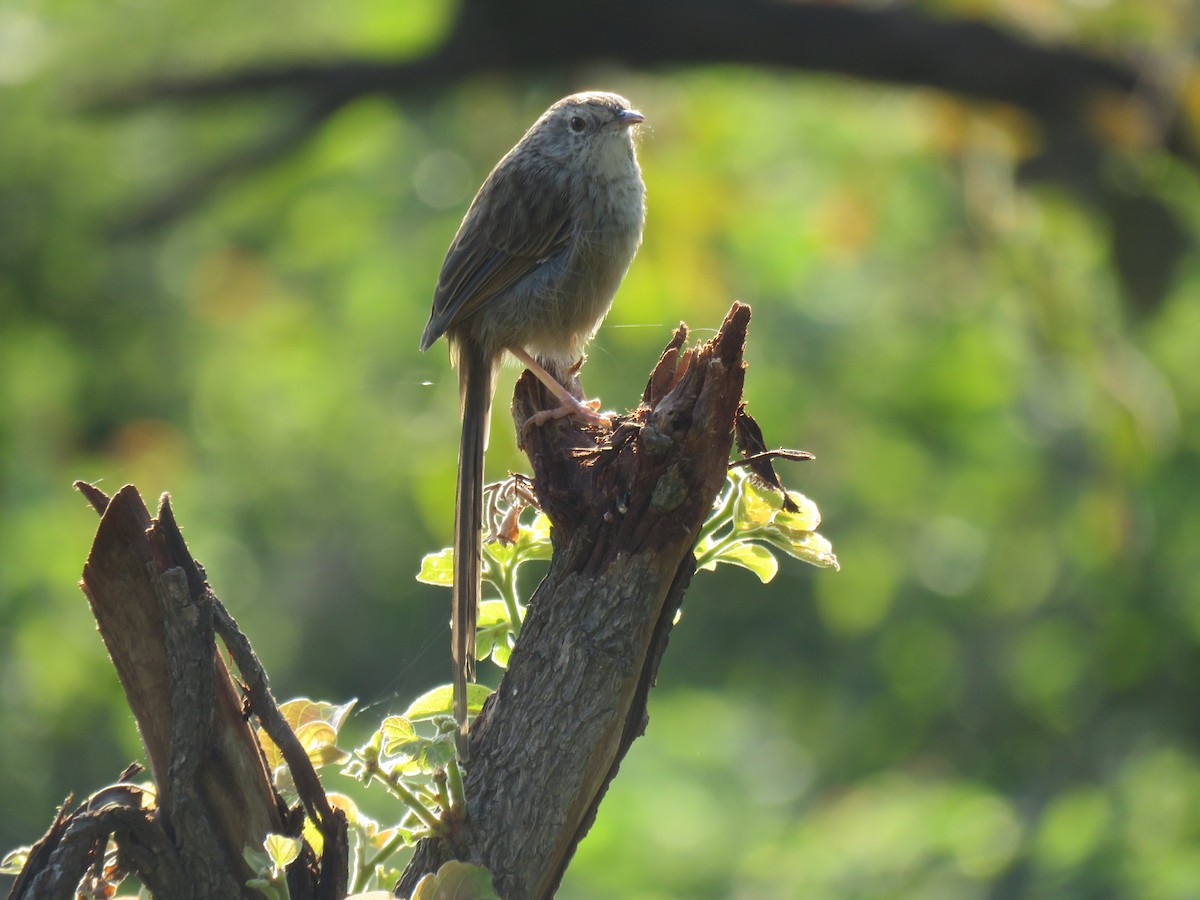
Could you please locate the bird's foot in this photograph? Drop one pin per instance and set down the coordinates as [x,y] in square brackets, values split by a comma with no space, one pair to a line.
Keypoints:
[588,411]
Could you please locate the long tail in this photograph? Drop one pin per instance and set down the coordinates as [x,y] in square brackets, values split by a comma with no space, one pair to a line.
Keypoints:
[476,382]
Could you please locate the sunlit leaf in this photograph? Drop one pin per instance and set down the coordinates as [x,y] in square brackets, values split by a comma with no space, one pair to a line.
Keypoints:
[284,783]
[316,724]
[272,752]
[327,755]
[492,612]
[757,559]
[502,651]
[282,849]
[315,735]
[14,861]
[755,505]
[807,546]
[498,553]
[456,880]
[806,518]
[493,629]
[381,837]
[312,835]
[336,715]
[534,539]
[319,740]
[701,552]
[397,732]
[440,702]
[438,568]
[301,711]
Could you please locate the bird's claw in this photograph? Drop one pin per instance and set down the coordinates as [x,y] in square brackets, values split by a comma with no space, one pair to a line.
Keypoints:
[588,411]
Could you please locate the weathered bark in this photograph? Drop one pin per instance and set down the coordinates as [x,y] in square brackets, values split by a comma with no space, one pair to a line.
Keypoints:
[152,612]
[214,796]
[626,506]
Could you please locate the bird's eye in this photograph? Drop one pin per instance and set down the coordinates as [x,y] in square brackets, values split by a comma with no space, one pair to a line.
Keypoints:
[578,124]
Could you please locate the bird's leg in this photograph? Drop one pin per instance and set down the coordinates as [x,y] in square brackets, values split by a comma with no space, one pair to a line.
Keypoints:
[573,371]
[568,404]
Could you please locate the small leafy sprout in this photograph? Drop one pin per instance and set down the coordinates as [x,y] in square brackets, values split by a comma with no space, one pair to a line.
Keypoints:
[748,515]
[316,724]
[373,846]
[411,756]
[509,545]
[270,865]
[748,519]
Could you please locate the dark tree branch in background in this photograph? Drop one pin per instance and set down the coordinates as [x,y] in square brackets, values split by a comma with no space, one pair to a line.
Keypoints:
[191,192]
[1059,86]
[897,46]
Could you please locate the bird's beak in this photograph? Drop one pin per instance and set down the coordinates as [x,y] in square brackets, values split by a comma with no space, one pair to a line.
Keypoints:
[630,117]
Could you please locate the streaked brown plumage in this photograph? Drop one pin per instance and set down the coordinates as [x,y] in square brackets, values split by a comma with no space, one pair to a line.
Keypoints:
[532,271]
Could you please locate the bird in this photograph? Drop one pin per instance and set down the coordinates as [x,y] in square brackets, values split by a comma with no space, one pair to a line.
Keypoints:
[531,273]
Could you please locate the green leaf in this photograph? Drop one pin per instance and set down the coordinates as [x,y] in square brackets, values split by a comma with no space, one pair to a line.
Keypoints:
[807,546]
[457,880]
[414,753]
[756,505]
[492,629]
[534,539]
[14,861]
[327,755]
[396,733]
[313,837]
[438,568]
[411,752]
[703,547]
[316,724]
[502,651]
[806,518]
[319,740]
[435,753]
[754,557]
[440,702]
[257,859]
[282,849]
[534,543]
[498,553]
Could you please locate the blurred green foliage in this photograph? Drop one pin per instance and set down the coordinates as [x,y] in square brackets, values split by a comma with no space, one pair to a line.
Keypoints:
[994,698]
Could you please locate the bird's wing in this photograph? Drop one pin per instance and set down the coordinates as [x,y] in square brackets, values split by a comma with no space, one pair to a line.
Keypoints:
[501,240]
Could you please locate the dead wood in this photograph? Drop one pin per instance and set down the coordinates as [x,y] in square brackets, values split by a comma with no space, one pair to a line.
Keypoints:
[626,506]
